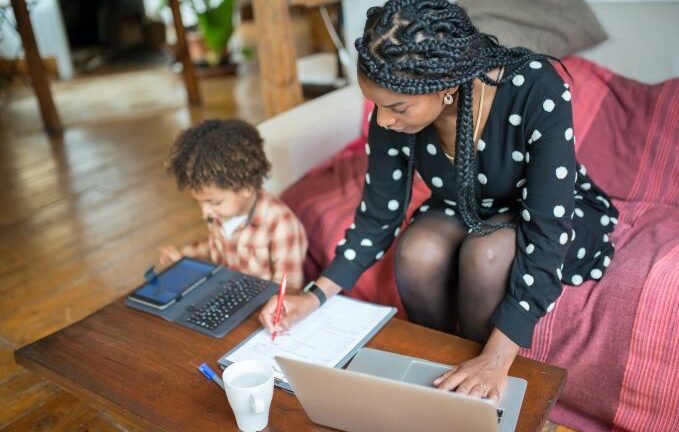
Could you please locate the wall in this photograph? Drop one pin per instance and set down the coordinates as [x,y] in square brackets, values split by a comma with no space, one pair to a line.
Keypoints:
[50,36]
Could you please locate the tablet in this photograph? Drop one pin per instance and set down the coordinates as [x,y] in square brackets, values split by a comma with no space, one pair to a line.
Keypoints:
[173,283]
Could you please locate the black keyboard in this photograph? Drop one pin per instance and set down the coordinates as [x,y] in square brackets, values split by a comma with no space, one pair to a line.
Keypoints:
[234,294]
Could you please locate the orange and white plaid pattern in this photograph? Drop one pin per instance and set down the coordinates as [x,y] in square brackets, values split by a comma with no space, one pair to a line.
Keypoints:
[271,242]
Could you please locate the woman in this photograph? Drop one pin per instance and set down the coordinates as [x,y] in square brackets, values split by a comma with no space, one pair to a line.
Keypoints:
[511,216]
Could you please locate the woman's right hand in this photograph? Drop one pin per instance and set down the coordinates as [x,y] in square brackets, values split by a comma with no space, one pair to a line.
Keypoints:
[295,308]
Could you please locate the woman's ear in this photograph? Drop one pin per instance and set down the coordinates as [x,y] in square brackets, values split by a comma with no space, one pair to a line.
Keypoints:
[450,91]
[448,96]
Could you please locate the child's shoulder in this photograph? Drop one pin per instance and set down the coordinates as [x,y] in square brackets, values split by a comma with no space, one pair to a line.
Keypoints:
[272,210]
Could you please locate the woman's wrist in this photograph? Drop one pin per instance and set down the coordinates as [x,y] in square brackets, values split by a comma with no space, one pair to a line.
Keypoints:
[500,350]
[328,287]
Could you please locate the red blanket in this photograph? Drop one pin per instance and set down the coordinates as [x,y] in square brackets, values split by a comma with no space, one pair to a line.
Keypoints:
[617,337]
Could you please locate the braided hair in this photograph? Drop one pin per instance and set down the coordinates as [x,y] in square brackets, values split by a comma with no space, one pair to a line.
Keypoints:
[418,47]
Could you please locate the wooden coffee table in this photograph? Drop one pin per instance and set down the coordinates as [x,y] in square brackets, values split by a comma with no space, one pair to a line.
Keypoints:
[144,369]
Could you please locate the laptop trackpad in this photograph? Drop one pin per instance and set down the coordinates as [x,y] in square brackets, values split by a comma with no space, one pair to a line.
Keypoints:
[423,373]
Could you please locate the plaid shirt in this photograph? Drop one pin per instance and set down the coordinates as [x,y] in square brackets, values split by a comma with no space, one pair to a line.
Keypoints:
[272,241]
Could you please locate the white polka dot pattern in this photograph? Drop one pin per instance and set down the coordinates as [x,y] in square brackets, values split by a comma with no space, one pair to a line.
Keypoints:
[536,135]
[548,105]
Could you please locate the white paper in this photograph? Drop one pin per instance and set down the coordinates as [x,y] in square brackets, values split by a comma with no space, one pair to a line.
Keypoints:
[324,338]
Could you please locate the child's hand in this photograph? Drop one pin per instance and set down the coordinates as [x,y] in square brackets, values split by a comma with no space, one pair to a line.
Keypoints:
[169,254]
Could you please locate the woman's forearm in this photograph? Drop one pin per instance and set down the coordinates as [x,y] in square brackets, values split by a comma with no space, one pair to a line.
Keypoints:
[500,350]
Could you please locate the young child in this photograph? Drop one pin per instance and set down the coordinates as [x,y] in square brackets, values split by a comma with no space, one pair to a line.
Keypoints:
[223,165]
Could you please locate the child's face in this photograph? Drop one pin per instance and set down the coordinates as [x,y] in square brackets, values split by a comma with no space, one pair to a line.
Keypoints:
[223,204]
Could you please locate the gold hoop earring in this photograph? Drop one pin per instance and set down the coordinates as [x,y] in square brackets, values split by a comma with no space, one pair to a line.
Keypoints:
[448,98]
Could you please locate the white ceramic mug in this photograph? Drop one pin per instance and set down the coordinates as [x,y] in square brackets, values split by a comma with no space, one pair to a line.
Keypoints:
[249,389]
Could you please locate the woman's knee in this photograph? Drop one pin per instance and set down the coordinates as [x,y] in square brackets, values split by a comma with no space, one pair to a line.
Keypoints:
[426,255]
[425,248]
[491,253]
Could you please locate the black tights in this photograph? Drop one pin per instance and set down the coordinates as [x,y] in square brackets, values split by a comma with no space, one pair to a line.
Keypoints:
[452,281]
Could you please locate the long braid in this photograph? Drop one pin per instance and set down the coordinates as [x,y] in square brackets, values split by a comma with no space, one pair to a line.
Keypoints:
[426,46]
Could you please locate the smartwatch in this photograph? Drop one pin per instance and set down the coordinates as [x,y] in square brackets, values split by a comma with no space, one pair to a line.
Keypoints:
[315,290]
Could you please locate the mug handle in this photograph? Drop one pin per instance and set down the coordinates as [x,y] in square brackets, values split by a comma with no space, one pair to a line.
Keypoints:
[256,404]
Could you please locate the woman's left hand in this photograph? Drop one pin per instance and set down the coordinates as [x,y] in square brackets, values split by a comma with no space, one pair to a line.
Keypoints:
[476,377]
[485,375]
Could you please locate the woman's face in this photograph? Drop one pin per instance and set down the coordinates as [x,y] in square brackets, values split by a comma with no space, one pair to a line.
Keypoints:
[403,113]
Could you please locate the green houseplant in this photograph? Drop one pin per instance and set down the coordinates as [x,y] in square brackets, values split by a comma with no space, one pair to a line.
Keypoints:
[215,21]
[215,25]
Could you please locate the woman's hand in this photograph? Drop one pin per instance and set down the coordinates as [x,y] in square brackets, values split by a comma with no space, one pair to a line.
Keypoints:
[485,375]
[295,308]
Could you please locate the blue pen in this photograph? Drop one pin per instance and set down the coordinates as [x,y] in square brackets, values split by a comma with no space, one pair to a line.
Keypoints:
[211,375]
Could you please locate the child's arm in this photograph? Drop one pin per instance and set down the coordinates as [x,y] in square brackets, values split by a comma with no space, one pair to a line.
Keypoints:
[288,249]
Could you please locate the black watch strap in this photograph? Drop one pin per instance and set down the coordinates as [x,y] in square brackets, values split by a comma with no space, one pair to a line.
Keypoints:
[317,291]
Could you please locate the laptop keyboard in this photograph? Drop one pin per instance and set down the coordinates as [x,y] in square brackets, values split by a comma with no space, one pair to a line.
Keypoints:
[499,415]
[233,295]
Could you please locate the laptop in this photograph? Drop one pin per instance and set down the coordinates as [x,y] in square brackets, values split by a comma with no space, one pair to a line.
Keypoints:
[202,296]
[384,391]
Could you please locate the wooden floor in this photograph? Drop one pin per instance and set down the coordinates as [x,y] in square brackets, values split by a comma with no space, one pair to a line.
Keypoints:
[83,215]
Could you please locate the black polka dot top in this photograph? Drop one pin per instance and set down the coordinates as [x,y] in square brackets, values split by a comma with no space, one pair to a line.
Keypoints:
[526,166]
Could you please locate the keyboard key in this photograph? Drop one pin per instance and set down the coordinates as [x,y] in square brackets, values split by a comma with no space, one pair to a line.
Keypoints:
[234,294]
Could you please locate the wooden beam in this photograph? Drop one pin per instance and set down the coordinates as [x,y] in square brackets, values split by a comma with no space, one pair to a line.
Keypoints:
[277,60]
[41,86]
[188,71]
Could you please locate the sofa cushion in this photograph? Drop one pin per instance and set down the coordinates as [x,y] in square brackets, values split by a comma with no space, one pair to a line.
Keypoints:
[555,27]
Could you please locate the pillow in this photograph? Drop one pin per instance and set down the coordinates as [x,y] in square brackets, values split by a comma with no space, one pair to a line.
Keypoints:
[555,27]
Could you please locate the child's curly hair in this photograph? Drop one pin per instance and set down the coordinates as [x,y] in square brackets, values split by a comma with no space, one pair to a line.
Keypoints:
[225,153]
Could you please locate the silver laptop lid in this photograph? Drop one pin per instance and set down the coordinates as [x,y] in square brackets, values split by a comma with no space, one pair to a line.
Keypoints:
[357,402]
[423,372]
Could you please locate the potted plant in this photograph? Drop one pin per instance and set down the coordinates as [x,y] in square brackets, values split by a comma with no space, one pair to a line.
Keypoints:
[208,47]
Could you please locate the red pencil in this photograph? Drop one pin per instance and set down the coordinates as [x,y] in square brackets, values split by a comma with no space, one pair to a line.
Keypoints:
[279,304]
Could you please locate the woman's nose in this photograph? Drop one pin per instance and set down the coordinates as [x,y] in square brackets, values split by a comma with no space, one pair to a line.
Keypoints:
[384,119]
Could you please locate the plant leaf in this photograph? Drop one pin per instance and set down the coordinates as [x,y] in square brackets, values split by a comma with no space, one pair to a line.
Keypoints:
[216,24]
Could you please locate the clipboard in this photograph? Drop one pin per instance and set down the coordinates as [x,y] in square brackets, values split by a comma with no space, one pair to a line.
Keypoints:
[328,337]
